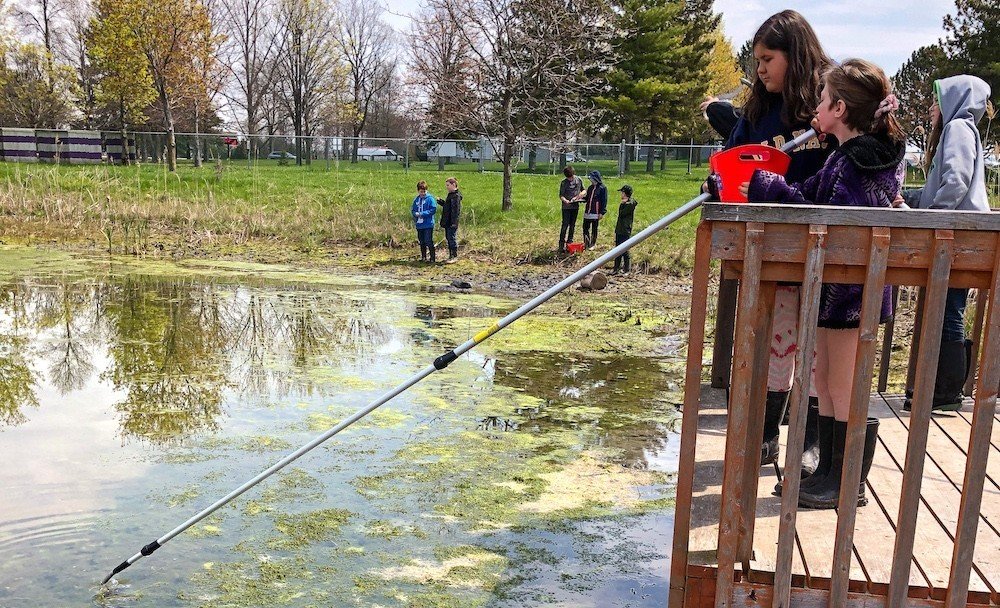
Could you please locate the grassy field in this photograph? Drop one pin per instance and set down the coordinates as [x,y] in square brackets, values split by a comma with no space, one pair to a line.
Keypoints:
[280,210]
[310,209]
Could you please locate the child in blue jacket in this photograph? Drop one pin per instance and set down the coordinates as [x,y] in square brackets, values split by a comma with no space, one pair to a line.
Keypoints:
[424,208]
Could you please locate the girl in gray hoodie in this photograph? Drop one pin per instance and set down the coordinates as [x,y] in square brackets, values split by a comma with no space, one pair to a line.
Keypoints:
[956,180]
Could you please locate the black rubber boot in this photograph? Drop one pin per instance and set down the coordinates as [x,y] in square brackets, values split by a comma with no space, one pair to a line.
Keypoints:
[627,265]
[774,410]
[824,449]
[810,445]
[952,370]
[871,439]
[562,247]
[452,253]
[423,253]
[826,494]
[433,251]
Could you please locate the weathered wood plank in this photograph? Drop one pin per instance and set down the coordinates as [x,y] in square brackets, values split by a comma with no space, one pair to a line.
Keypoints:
[707,494]
[852,216]
[689,422]
[725,325]
[871,309]
[752,595]
[763,317]
[918,319]
[977,340]
[978,453]
[848,245]
[730,520]
[942,482]
[886,353]
[930,342]
[787,271]
[808,314]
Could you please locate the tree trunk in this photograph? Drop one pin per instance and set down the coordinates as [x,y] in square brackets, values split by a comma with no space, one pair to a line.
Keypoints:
[197,140]
[168,116]
[532,158]
[650,156]
[440,161]
[508,158]
[663,157]
[629,138]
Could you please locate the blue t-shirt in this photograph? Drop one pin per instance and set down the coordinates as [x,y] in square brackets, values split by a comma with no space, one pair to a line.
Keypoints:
[807,159]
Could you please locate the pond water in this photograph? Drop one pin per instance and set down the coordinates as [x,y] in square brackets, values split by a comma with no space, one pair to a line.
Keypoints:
[537,470]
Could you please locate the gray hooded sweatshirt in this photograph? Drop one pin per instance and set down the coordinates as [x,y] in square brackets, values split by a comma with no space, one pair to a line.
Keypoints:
[956,179]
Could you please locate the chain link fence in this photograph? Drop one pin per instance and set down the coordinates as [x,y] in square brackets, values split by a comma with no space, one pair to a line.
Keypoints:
[334,153]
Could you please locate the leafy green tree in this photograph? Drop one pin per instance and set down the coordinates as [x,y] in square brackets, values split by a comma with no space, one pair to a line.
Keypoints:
[167,34]
[124,86]
[914,85]
[658,79]
[34,90]
[973,39]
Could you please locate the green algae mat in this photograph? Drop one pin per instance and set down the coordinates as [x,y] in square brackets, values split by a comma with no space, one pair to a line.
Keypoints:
[536,470]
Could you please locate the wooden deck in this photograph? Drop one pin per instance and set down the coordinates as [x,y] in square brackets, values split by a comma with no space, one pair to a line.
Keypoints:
[874,539]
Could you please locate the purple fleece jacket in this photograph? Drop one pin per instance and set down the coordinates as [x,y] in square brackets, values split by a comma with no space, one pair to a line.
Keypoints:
[865,171]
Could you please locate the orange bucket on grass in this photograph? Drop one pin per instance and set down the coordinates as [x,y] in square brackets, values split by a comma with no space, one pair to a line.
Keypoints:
[736,165]
[574,247]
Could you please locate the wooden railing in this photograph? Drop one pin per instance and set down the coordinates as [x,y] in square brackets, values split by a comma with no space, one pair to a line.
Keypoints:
[760,245]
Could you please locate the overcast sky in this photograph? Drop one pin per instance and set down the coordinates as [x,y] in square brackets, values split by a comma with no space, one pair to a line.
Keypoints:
[883,31]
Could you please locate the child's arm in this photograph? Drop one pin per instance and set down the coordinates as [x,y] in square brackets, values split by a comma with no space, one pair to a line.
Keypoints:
[957,165]
[767,187]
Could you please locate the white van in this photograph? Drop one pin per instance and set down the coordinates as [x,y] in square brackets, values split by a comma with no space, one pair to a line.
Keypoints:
[377,154]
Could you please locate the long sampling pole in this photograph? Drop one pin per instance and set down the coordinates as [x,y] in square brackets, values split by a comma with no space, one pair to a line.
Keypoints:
[438,364]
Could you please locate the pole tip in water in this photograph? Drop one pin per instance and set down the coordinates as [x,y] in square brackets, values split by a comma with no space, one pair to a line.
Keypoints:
[117,569]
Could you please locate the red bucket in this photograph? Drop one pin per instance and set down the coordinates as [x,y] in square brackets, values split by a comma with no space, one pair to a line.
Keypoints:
[736,165]
[574,247]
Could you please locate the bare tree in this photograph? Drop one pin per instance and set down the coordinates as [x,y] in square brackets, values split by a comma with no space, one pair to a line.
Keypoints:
[252,44]
[364,42]
[75,52]
[306,63]
[536,64]
[42,16]
[442,69]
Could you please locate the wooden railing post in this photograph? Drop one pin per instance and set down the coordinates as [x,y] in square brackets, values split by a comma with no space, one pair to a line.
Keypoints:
[979,450]
[725,324]
[689,421]
[923,390]
[871,310]
[890,329]
[730,518]
[763,319]
[808,314]
[977,335]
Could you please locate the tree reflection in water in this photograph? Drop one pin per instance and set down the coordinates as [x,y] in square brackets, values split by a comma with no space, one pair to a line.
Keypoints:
[173,346]
[17,379]
[624,402]
[166,343]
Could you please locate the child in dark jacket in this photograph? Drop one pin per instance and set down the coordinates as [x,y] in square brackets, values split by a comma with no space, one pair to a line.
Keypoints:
[623,229]
[857,107]
[449,216]
[423,210]
[595,206]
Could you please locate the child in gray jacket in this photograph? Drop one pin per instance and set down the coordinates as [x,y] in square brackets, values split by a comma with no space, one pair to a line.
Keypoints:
[956,180]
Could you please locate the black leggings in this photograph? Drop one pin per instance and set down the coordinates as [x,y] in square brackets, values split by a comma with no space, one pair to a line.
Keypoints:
[590,232]
[568,224]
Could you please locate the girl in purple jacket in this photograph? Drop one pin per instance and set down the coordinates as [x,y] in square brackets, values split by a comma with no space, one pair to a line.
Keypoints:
[857,107]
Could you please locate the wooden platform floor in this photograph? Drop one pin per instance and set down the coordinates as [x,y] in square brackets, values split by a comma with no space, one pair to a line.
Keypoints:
[875,533]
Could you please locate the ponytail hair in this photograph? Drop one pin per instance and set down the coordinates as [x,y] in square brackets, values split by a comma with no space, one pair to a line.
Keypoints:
[867,95]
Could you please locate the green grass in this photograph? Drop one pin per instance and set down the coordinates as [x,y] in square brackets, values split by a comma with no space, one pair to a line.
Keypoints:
[275,210]
[310,209]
